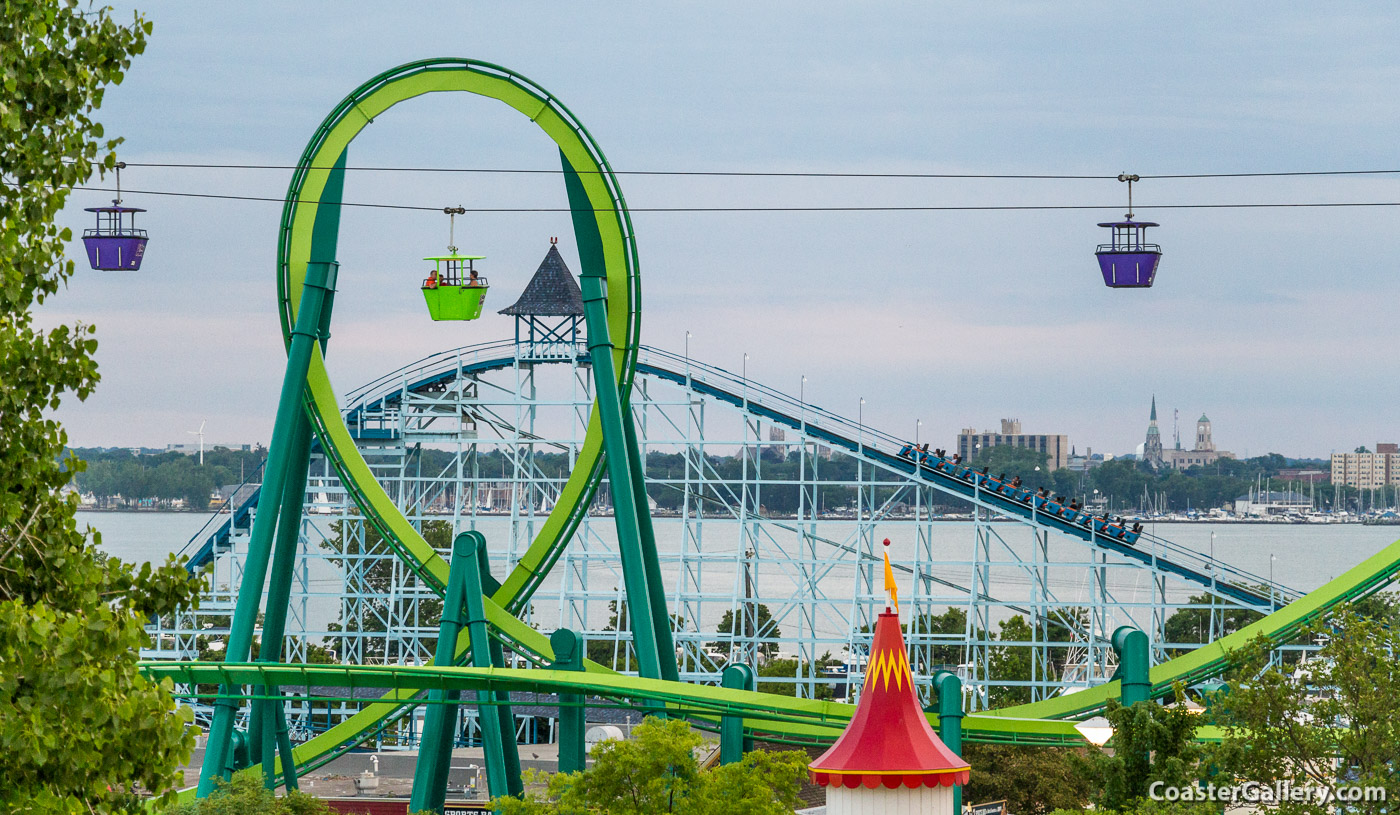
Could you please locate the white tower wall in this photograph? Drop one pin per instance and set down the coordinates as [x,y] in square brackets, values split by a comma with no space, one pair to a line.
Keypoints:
[885,801]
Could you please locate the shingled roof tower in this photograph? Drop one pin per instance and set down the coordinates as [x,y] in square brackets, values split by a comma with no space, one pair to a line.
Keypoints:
[549,313]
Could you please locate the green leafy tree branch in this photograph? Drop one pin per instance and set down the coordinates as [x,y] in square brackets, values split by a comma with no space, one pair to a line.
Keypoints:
[81,730]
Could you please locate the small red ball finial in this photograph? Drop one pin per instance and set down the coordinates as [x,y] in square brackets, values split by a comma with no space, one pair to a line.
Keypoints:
[887,541]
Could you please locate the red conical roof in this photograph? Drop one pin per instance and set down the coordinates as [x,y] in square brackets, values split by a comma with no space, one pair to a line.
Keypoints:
[889,740]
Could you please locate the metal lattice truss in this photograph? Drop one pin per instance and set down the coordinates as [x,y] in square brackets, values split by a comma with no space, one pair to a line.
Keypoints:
[768,514]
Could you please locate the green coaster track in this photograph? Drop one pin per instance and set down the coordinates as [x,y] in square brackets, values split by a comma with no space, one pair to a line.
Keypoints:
[607,247]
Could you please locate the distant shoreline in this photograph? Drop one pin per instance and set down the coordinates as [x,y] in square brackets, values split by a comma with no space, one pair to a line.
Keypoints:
[940,519]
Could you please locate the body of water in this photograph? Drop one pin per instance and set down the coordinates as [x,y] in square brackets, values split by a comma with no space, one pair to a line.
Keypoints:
[1299,556]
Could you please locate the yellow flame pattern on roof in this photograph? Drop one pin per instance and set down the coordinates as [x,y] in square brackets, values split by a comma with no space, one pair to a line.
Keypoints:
[890,662]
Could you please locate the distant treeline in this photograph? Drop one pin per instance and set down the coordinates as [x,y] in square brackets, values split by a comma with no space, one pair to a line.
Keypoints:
[119,476]
[1125,482]
[1133,485]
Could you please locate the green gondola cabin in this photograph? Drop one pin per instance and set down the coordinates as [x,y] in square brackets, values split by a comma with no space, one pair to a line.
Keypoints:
[453,289]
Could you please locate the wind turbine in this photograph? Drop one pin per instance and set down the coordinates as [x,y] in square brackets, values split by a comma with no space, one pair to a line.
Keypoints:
[200,434]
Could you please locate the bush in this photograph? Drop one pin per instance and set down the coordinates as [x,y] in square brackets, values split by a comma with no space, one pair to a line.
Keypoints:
[245,795]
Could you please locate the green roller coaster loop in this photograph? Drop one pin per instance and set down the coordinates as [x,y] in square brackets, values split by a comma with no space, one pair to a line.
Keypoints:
[594,189]
[612,291]
[614,229]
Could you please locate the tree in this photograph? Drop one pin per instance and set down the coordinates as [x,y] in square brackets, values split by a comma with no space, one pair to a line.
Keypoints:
[1193,625]
[1024,462]
[1329,721]
[1147,806]
[246,795]
[794,669]
[80,727]
[946,653]
[615,652]
[762,625]
[1383,607]
[120,475]
[1151,743]
[1032,780]
[656,771]
[1011,663]
[383,604]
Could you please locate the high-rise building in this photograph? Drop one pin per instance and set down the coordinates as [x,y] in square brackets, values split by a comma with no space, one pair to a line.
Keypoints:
[1055,447]
[1366,470]
[1152,447]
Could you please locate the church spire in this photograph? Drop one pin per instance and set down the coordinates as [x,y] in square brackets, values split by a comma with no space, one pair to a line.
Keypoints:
[1152,447]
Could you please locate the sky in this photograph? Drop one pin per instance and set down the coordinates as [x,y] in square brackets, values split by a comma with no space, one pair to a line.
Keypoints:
[1277,323]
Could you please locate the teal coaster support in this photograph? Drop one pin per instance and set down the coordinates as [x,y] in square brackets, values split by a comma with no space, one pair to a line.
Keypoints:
[279,515]
[493,740]
[268,723]
[950,715]
[510,748]
[656,587]
[1134,662]
[440,720]
[320,280]
[568,656]
[732,743]
[642,608]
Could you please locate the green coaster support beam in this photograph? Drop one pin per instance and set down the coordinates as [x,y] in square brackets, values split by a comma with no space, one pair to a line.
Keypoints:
[320,280]
[493,740]
[568,656]
[950,715]
[631,549]
[268,723]
[1134,663]
[267,726]
[660,614]
[510,748]
[440,720]
[732,743]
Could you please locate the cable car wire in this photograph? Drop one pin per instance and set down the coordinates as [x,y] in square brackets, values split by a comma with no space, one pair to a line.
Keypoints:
[832,208]
[771,173]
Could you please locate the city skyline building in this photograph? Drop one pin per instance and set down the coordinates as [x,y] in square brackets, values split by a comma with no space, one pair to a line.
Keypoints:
[1367,470]
[1152,446]
[1054,446]
[1202,454]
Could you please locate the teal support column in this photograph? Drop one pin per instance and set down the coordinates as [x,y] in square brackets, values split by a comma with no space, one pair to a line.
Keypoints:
[510,747]
[498,782]
[656,587]
[950,716]
[268,724]
[440,720]
[279,592]
[593,283]
[568,656]
[320,279]
[1214,693]
[1134,662]
[240,756]
[731,728]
